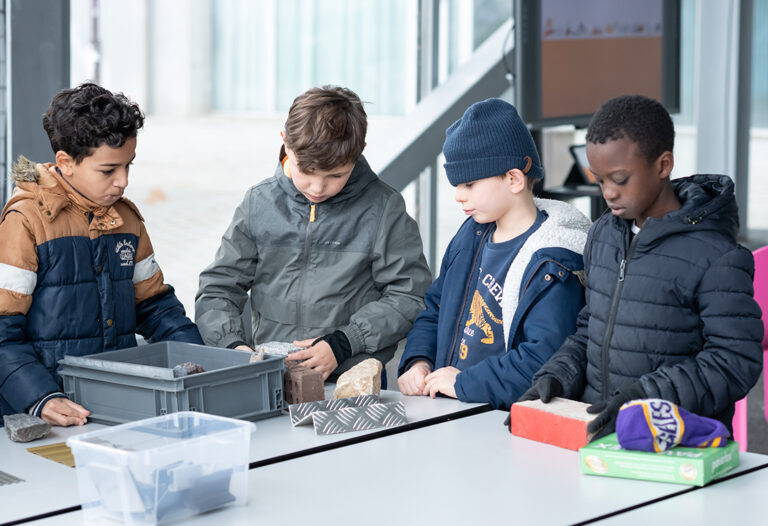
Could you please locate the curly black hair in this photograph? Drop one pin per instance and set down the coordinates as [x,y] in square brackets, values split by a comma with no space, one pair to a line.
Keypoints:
[643,120]
[85,117]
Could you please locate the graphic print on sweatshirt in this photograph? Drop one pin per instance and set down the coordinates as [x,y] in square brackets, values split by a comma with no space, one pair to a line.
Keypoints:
[482,328]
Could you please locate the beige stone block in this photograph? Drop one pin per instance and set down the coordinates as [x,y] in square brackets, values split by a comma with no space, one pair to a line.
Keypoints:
[362,379]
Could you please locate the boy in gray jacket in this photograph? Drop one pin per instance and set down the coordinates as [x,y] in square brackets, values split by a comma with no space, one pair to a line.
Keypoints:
[329,255]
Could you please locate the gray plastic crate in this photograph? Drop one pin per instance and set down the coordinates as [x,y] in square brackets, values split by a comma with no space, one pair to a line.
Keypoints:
[131,384]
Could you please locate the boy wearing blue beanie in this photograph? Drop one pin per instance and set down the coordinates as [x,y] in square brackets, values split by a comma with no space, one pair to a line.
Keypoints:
[509,288]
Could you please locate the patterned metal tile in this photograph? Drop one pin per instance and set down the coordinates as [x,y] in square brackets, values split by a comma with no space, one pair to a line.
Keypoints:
[302,413]
[58,452]
[359,418]
[7,478]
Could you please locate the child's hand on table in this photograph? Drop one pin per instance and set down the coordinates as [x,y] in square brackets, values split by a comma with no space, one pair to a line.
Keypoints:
[441,381]
[64,412]
[411,382]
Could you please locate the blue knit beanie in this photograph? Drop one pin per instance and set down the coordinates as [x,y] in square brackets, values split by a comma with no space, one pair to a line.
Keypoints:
[490,139]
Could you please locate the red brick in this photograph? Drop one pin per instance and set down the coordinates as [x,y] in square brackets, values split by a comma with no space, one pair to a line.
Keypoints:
[562,423]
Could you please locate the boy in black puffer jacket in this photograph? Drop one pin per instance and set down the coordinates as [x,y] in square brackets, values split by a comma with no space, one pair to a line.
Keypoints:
[669,309]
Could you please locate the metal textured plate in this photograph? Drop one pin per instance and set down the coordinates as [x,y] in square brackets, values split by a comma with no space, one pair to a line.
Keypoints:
[7,478]
[359,418]
[302,413]
[58,452]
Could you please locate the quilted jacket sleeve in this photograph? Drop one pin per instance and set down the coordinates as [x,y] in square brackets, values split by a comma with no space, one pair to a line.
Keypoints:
[569,363]
[23,378]
[730,362]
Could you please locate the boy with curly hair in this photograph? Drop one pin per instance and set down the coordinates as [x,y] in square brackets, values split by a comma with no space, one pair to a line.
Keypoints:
[78,274]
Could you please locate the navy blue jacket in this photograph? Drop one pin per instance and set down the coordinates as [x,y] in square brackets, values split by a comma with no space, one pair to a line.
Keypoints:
[545,296]
[672,308]
[76,278]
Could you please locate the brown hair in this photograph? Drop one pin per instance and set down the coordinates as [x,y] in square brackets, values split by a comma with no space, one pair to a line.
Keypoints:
[326,128]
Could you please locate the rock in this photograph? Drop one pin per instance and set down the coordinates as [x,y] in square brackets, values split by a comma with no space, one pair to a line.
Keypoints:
[302,384]
[362,379]
[186,368]
[22,427]
[278,348]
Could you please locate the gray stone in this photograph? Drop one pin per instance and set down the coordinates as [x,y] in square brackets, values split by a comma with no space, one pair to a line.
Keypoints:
[22,427]
[278,348]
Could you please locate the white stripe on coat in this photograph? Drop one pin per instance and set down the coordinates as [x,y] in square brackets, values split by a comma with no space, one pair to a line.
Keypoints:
[17,279]
[145,269]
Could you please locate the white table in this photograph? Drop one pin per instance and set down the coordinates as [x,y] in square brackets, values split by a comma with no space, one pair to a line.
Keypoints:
[49,486]
[739,500]
[465,471]
[276,440]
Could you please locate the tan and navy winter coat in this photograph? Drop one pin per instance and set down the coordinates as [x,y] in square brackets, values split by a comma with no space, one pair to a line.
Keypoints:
[76,278]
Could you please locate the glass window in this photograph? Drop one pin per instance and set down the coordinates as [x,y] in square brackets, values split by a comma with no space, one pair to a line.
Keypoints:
[685,127]
[758,148]
[464,26]
[266,53]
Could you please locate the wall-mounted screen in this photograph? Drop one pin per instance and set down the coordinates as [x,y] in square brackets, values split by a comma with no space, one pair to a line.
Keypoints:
[573,55]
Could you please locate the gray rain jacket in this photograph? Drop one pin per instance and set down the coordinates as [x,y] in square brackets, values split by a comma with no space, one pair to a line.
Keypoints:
[357,267]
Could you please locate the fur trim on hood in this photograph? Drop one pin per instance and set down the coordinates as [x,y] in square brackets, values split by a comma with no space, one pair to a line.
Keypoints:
[24,170]
[565,227]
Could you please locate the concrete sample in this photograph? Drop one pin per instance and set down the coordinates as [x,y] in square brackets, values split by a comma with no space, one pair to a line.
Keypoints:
[22,427]
[302,384]
[362,379]
[561,422]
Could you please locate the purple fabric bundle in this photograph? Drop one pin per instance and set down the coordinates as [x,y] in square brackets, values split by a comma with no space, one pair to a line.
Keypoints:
[656,425]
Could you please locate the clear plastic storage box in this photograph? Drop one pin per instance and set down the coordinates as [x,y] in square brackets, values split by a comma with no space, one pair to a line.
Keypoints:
[163,468]
[140,382]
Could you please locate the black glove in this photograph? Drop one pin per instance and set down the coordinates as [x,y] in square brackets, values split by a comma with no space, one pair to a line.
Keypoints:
[605,422]
[546,388]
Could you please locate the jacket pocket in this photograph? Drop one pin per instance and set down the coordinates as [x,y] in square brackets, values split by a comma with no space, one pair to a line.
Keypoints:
[275,309]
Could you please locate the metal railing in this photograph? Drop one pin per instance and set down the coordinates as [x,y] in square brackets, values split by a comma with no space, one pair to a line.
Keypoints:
[413,152]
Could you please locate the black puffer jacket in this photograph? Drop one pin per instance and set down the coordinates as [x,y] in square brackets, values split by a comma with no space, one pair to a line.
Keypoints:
[673,308]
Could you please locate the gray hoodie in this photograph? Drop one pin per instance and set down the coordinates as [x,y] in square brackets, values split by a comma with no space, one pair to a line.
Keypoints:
[358,267]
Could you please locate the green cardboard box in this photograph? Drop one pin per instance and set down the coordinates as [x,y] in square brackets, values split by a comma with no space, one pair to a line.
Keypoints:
[680,465]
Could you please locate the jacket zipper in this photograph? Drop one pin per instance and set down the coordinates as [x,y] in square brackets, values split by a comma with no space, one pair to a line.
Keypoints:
[612,316]
[466,293]
[305,263]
